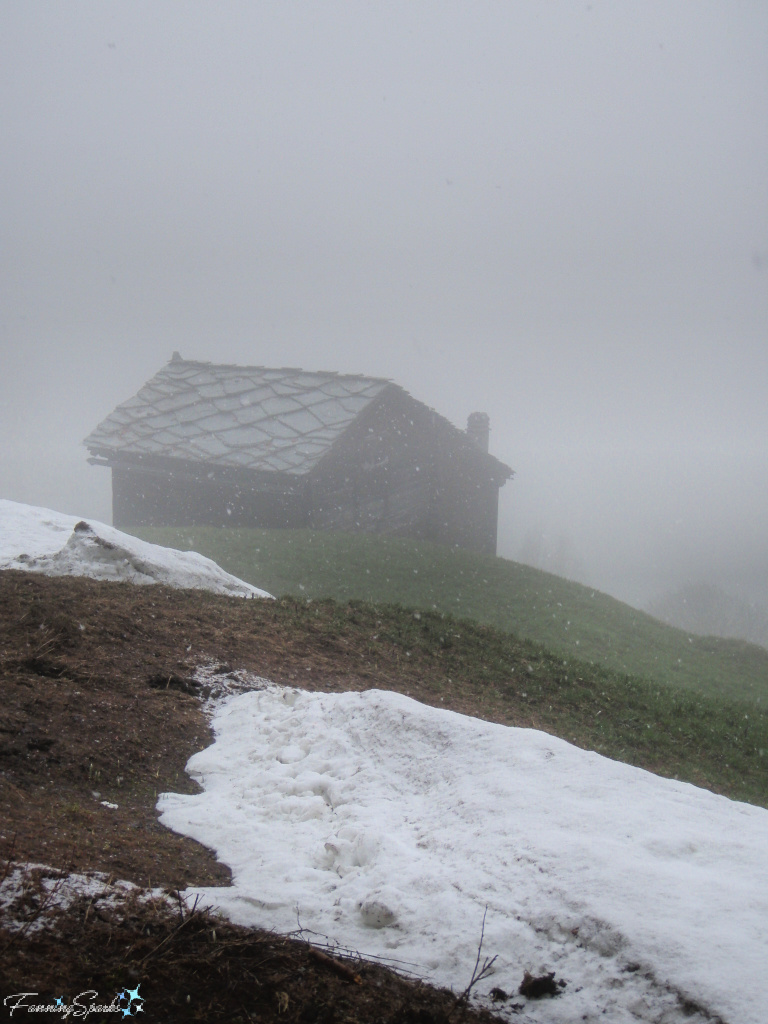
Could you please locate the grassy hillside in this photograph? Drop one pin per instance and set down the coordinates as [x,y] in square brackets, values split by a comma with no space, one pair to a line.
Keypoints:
[93,650]
[569,619]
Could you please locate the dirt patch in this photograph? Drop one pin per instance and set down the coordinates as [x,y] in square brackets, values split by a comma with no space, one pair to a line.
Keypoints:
[99,715]
[156,957]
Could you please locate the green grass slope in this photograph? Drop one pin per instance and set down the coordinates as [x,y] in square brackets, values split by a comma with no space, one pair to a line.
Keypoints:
[569,619]
[714,742]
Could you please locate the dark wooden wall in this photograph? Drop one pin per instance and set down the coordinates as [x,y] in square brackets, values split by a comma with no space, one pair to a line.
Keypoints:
[178,495]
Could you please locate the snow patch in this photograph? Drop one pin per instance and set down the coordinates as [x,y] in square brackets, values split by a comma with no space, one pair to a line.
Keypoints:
[40,540]
[32,895]
[389,827]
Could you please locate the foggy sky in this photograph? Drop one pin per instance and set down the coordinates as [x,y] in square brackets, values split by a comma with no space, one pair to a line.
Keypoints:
[556,213]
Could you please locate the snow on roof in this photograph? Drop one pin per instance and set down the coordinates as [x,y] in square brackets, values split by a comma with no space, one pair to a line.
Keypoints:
[40,540]
[252,417]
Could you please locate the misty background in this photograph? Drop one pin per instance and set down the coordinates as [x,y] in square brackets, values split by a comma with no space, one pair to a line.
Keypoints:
[556,213]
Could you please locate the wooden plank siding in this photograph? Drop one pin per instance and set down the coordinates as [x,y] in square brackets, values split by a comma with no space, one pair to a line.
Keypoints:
[153,492]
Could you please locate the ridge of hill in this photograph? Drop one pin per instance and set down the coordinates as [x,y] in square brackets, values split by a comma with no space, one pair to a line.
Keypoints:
[568,618]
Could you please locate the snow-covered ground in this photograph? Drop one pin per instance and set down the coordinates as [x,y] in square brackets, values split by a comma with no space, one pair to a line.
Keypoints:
[40,540]
[388,827]
[56,890]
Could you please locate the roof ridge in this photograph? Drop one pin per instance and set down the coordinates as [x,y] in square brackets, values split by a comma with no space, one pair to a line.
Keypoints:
[176,359]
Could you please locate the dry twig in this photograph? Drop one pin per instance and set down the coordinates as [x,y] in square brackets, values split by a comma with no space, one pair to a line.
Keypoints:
[479,972]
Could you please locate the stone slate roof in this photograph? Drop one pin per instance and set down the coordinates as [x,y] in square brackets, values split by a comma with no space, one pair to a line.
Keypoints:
[247,417]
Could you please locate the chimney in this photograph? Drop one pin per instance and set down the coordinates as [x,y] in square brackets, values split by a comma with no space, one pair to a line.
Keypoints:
[479,429]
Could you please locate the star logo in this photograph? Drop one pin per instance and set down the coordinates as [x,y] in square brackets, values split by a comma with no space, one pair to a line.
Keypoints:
[133,996]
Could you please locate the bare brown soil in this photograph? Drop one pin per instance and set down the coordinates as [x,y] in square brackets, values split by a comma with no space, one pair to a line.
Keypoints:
[98,705]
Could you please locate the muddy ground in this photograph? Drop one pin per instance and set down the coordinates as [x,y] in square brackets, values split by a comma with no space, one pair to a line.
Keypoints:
[98,707]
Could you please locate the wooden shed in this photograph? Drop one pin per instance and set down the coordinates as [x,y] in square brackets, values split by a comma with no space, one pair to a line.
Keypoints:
[250,446]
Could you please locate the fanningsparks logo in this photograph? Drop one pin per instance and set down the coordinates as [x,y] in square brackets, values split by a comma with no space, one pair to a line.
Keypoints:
[126,1003]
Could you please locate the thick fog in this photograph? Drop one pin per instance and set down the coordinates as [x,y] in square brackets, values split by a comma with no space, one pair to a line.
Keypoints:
[554,213]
